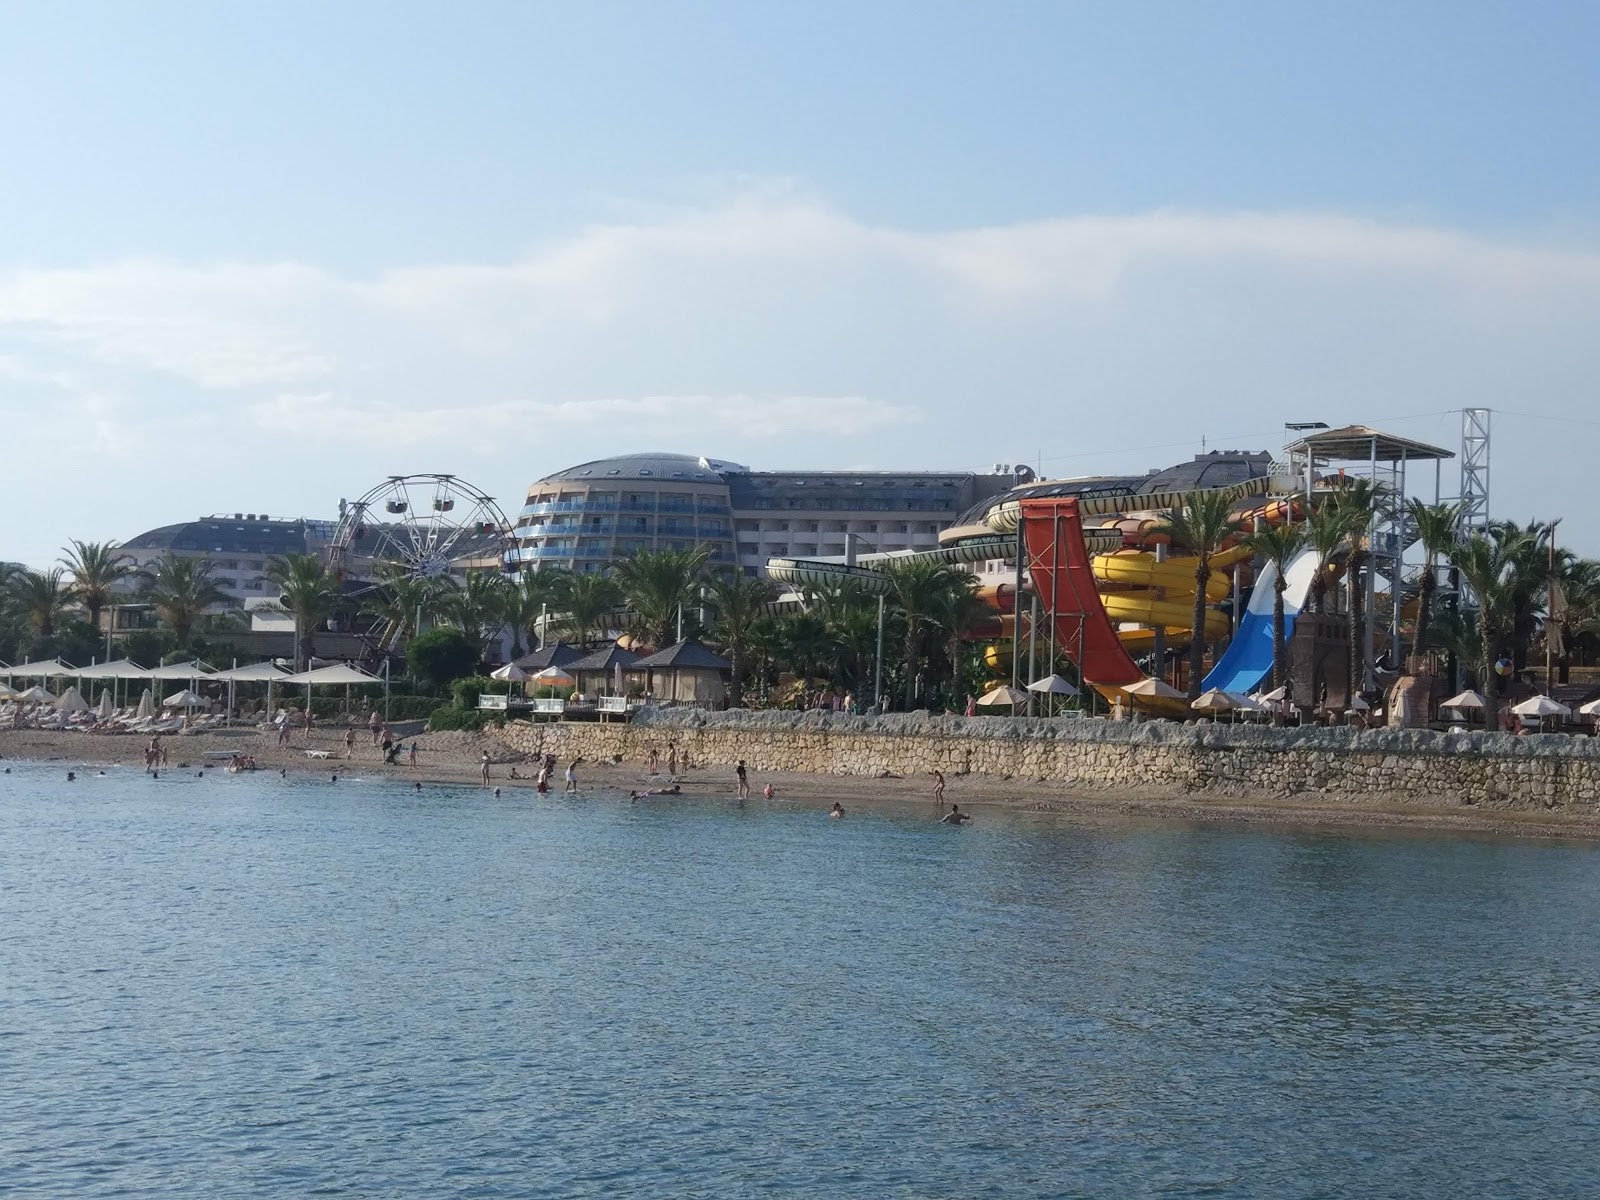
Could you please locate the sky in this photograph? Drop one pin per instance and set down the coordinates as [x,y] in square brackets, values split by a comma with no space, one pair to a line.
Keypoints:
[260,257]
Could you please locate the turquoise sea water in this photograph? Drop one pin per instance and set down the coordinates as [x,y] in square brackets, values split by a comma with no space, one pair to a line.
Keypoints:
[243,986]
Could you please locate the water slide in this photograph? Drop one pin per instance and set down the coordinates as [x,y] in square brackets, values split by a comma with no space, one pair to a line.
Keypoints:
[1248,659]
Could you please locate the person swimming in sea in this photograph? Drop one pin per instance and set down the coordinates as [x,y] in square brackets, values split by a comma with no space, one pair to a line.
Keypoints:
[955,816]
[836,811]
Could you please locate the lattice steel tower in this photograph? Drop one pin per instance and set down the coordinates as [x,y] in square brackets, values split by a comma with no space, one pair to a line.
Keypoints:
[1474,469]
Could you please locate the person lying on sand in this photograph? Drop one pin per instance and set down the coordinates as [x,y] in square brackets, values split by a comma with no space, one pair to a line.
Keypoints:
[674,790]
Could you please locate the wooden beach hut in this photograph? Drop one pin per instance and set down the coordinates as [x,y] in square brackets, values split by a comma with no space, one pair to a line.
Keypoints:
[687,673]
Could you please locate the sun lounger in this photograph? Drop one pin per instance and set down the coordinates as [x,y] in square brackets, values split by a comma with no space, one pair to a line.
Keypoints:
[317,753]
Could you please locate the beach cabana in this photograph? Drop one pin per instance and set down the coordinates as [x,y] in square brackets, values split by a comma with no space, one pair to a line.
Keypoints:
[688,673]
[556,654]
[600,673]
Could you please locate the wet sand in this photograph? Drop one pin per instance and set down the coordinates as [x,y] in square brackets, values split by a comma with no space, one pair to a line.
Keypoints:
[455,759]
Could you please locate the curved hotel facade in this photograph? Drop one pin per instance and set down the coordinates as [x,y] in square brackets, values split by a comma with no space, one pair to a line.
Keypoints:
[585,516]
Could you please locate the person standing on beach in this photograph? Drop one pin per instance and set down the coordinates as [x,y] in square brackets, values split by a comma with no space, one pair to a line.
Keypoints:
[655,761]
[744,782]
[411,759]
[350,742]
[375,722]
[484,769]
[672,759]
[572,775]
[938,789]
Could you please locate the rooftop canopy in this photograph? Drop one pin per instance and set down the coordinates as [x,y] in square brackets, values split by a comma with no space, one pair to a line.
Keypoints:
[49,668]
[1362,443]
[121,669]
[254,673]
[338,673]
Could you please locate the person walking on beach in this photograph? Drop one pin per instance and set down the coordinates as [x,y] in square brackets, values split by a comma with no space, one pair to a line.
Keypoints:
[543,785]
[572,775]
[375,722]
[938,789]
[350,742]
[411,759]
[484,769]
[655,761]
[672,759]
[744,782]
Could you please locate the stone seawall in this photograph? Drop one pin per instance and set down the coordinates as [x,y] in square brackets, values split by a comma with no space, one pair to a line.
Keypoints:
[1493,770]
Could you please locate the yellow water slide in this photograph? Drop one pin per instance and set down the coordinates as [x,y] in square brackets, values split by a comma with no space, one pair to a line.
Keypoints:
[1137,590]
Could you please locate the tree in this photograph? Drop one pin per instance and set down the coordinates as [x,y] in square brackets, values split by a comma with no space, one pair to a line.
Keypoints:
[660,584]
[1435,528]
[401,601]
[41,599]
[807,645]
[180,590]
[1325,533]
[530,597]
[1488,566]
[309,593]
[1202,524]
[589,600]
[1527,553]
[920,588]
[441,655]
[478,606]
[738,601]
[1280,545]
[96,568]
[1355,504]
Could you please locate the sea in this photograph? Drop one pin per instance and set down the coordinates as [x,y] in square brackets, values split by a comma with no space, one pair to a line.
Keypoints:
[247,986]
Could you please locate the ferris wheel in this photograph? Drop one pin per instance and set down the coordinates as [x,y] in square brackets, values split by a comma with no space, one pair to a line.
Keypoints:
[419,525]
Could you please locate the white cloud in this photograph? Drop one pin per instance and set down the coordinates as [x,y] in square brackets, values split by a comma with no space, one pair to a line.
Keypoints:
[773,329]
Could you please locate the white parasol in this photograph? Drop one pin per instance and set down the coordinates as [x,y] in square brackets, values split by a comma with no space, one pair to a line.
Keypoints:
[1541,706]
[1591,709]
[72,701]
[1465,700]
[106,706]
[1053,685]
[36,695]
[147,705]
[553,677]
[1004,694]
[1216,700]
[1154,687]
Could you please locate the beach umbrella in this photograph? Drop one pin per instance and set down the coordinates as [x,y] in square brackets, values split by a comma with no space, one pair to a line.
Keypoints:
[184,699]
[1591,709]
[72,701]
[7,692]
[1275,696]
[1465,700]
[1541,706]
[510,672]
[1053,685]
[147,705]
[1004,694]
[1357,704]
[1154,687]
[107,706]
[553,677]
[1216,700]
[36,695]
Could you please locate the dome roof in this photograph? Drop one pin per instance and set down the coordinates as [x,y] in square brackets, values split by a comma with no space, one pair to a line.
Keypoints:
[226,536]
[658,468]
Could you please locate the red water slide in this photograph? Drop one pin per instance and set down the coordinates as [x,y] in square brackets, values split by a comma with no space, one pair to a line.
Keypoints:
[1058,560]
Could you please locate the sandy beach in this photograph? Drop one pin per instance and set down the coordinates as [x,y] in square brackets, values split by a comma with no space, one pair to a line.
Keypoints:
[454,759]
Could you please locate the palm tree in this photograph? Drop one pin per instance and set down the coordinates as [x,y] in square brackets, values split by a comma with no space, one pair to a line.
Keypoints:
[658,585]
[308,592]
[589,600]
[180,589]
[1356,504]
[920,588]
[1527,550]
[1325,533]
[1202,524]
[738,601]
[1280,545]
[478,606]
[764,643]
[401,601]
[95,567]
[532,595]
[1489,567]
[807,644]
[41,599]
[1435,528]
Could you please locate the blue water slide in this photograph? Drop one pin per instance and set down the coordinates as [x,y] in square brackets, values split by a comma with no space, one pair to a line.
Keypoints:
[1248,659]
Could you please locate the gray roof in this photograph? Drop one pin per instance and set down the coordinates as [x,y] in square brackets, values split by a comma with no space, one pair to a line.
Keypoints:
[603,660]
[688,655]
[225,535]
[658,468]
[556,654]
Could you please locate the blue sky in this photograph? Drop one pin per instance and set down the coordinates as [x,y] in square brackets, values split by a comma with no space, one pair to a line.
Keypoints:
[355,239]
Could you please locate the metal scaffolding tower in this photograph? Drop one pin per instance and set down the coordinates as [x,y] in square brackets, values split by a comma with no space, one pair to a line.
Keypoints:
[1474,469]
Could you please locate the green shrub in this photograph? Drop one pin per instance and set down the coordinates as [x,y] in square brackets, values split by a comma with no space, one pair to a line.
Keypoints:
[448,716]
[410,708]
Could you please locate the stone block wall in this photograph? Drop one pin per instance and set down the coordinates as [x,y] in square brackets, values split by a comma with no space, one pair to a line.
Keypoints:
[1553,771]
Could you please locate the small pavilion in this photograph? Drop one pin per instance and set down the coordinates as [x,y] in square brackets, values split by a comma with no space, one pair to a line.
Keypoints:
[687,673]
